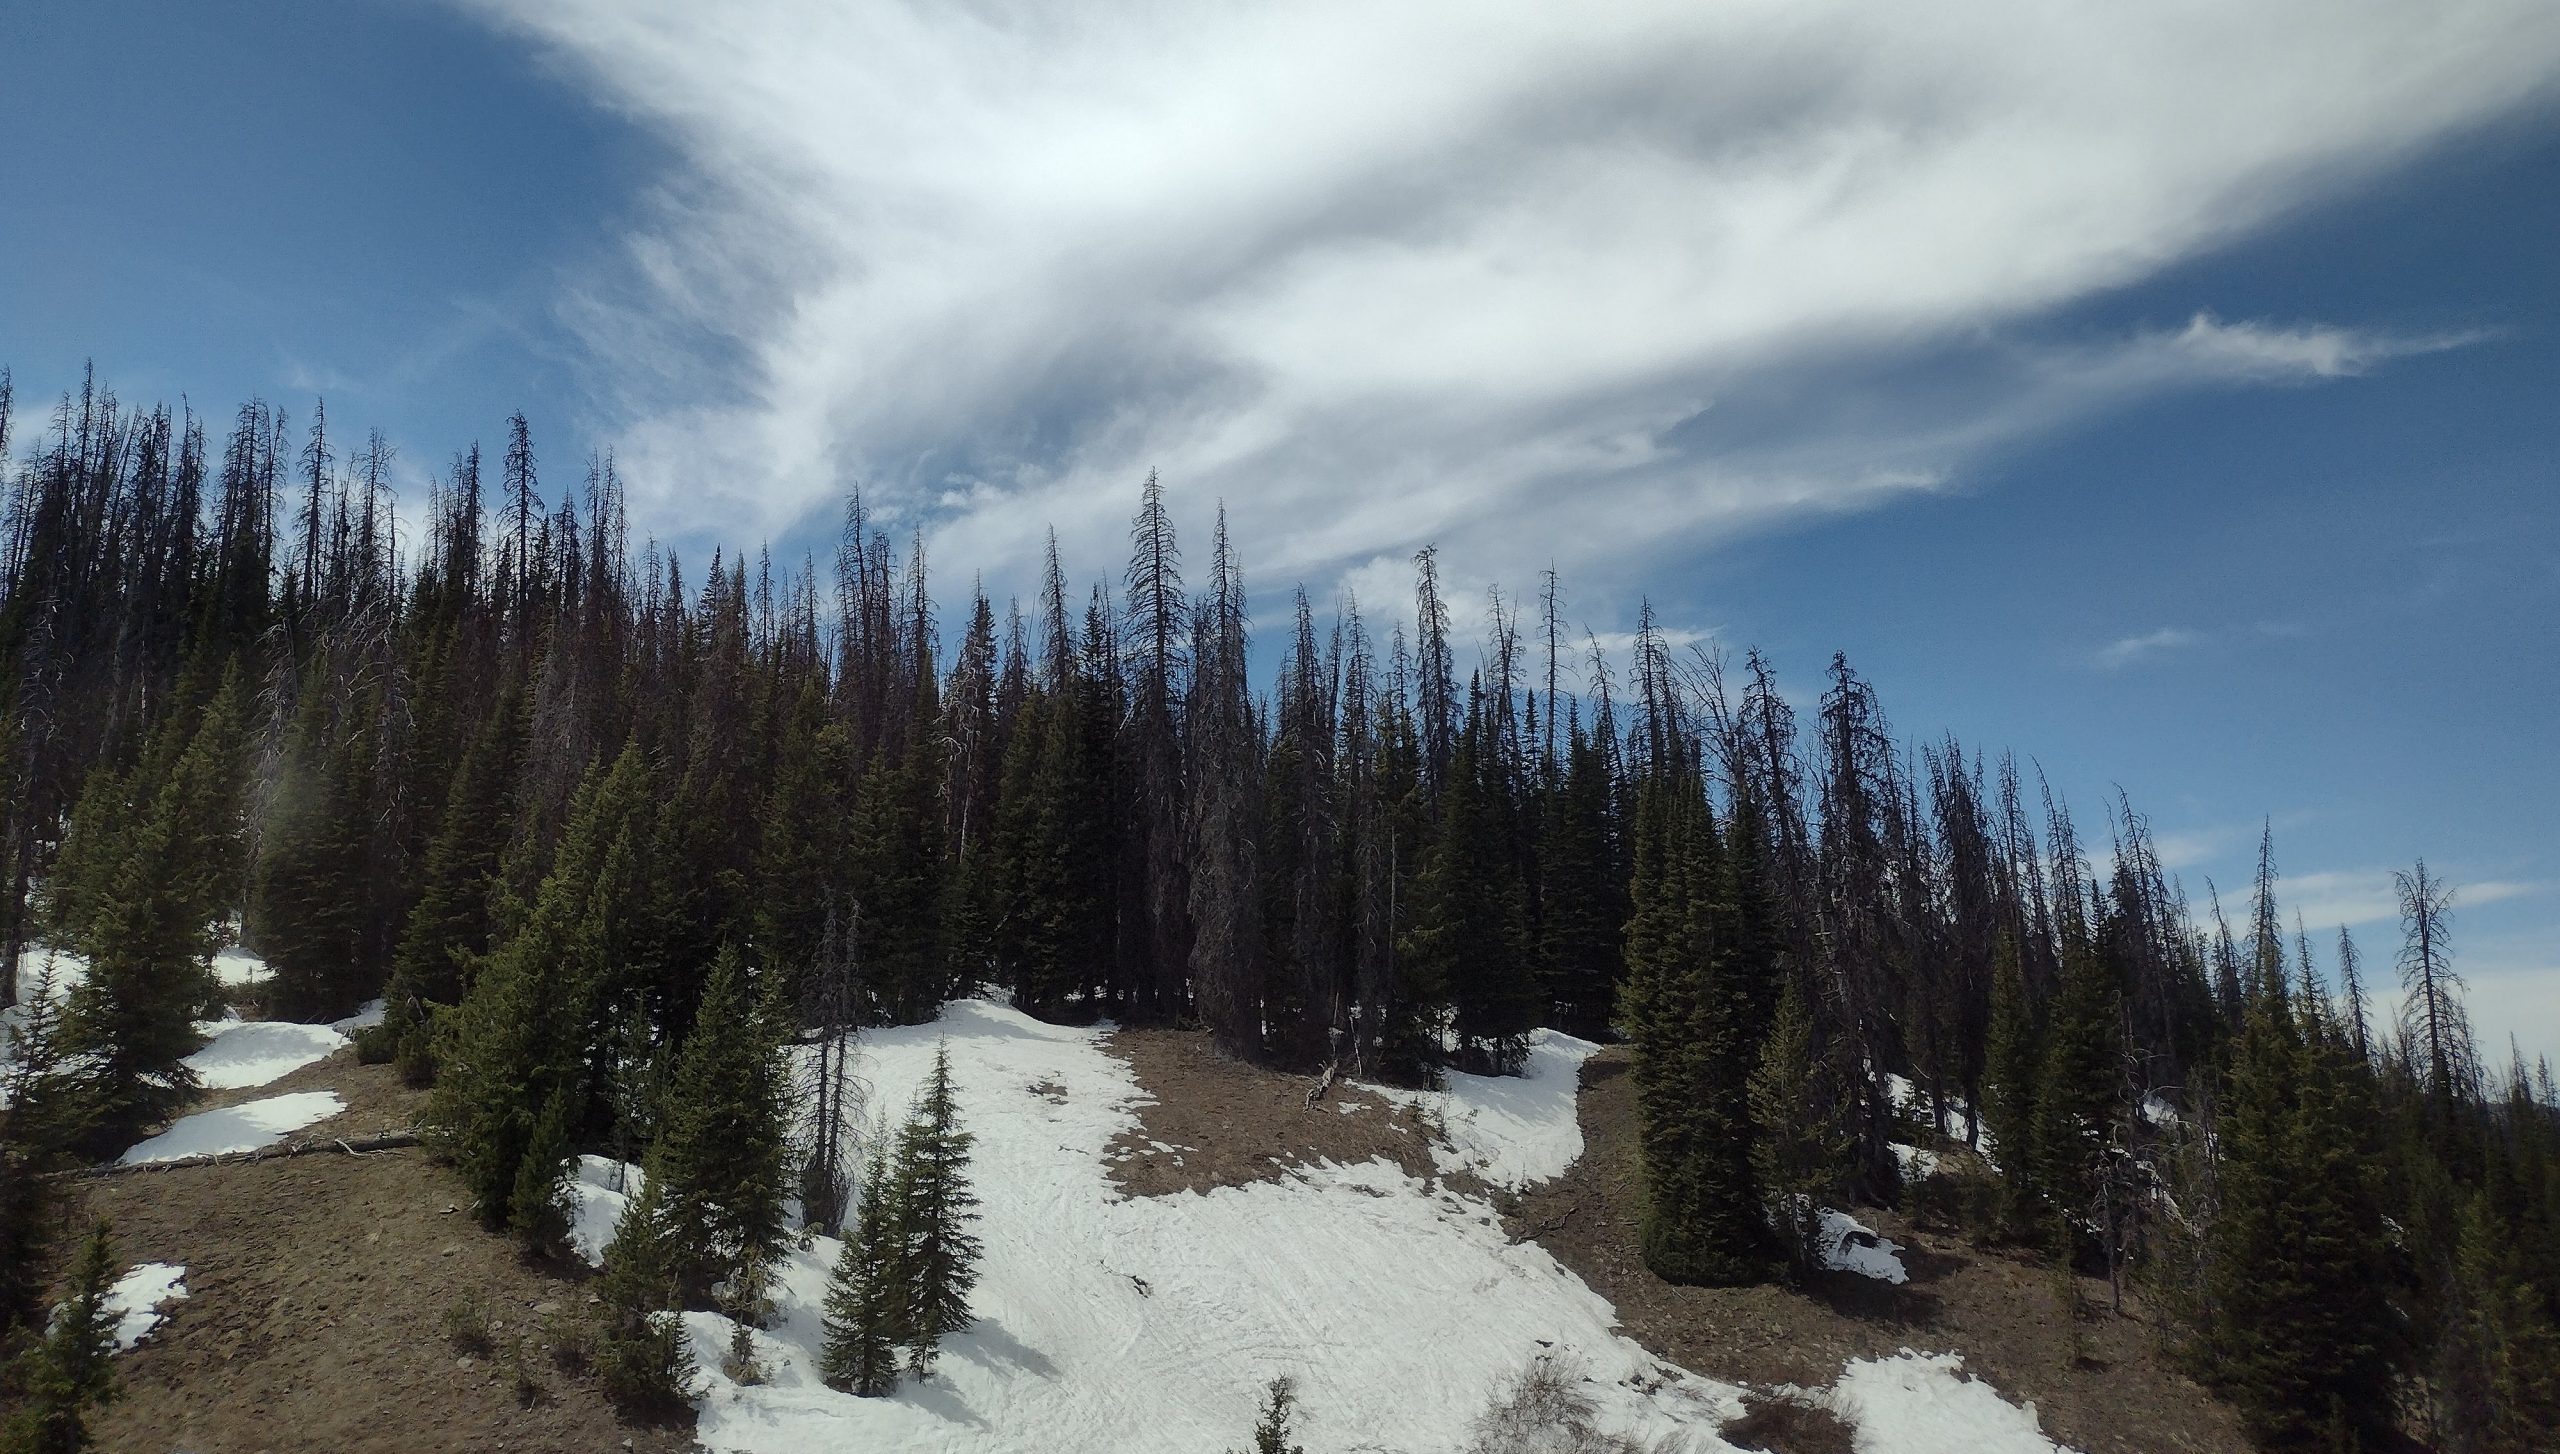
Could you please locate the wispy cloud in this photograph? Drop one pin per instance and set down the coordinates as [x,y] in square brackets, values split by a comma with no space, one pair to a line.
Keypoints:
[2333,898]
[2127,650]
[1537,282]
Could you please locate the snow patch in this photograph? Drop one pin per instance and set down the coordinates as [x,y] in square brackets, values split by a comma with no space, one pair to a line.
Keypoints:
[1916,1403]
[244,1127]
[1847,1245]
[1509,1130]
[137,1296]
[598,1192]
[1916,1163]
[368,1015]
[239,969]
[255,1052]
[1153,1323]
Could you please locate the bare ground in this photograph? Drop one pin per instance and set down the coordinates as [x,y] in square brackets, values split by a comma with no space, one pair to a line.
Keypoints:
[1216,1122]
[318,1295]
[2002,1313]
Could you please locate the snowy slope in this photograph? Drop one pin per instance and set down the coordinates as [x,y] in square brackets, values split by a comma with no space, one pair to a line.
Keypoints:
[1147,1324]
[244,1127]
[1509,1130]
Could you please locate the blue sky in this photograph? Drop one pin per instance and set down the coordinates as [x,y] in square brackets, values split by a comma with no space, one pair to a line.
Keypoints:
[2166,395]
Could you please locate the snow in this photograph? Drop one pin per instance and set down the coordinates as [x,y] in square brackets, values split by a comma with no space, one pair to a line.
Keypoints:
[1916,1403]
[1917,1164]
[367,1015]
[137,1296]
[600,1190]
[1848,1245]
[1153,1323]
[244,1127]
[239,969]
[254,1052]
[1509,1130]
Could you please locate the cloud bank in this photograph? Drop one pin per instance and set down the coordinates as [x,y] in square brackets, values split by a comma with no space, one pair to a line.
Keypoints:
[1541,282]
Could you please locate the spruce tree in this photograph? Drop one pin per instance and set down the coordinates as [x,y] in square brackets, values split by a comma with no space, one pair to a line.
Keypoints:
[131,1023]
[867,1295]
[642,1358]
[2013,1066]
[71,1372]
[534,1022]
[720,1164]
[41,1117]
[1801,1152]
[938,1254]
[449,929]
[307,907]
[2075,1088]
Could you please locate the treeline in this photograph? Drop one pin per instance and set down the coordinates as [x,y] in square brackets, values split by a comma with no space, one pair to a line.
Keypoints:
[530,784]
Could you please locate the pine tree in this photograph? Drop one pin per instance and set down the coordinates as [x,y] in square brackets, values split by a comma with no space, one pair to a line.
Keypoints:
[867,1296]
[308,904]
[641,1357]
[1802,1152]
[2012,1069]
[2074,1100]
[535,1021]
[41,1117]
[450,927]
[1689,1017]
[131,1022]
[938,1254]
[71,1371]
[721,1162]
[1279,1411]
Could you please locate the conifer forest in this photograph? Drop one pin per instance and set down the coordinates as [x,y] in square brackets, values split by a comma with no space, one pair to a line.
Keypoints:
[637,853]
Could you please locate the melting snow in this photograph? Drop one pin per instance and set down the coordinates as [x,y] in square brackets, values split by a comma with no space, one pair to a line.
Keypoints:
[367,1015]
[255,1052]
[1850,1246]
[244,1127]
[1916,1403]
[1152,1323]
[137,1296]
[1510,1130]
[239,969]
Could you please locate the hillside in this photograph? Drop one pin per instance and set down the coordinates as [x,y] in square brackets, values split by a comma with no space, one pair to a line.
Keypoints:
[1166,1231]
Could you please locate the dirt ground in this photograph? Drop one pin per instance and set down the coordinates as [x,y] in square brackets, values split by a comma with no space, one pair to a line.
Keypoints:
[1218,1122]
[2001,1313]
[1215,1122]
[318,1290]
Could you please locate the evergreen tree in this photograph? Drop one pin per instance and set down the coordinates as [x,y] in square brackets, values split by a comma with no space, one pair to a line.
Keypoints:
[937,1253]
[450,927]
[71,1371]
[1272,1429]
[2074,1102]
[1689,1019]
[1801,1153]
[307,910]
[641,1356]
[41,1117]
[867,1296]
[2013,1067]
[131,1023]
[721,1162]
[533,1024]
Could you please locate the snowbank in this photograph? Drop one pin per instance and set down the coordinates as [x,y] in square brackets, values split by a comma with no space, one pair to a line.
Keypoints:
[244,1127]
[1143,1324]
[367,1015]
[1848,1245]
[1511,1131]
[1916,1403]
[137,1296]
[239,969]
[255,1052]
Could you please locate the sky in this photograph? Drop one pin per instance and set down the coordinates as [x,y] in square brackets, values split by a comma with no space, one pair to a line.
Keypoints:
[2166,392]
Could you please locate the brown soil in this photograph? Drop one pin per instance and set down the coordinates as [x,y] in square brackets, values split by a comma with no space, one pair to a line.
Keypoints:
[1218,1122]
[2001,1313]
[318,1292]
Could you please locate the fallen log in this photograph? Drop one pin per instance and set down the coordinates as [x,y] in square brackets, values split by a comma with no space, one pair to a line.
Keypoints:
[360,1146]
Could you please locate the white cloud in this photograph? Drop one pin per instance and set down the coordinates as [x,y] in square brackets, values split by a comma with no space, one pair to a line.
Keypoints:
[2130,649]
[2334,898]
[1543,282]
